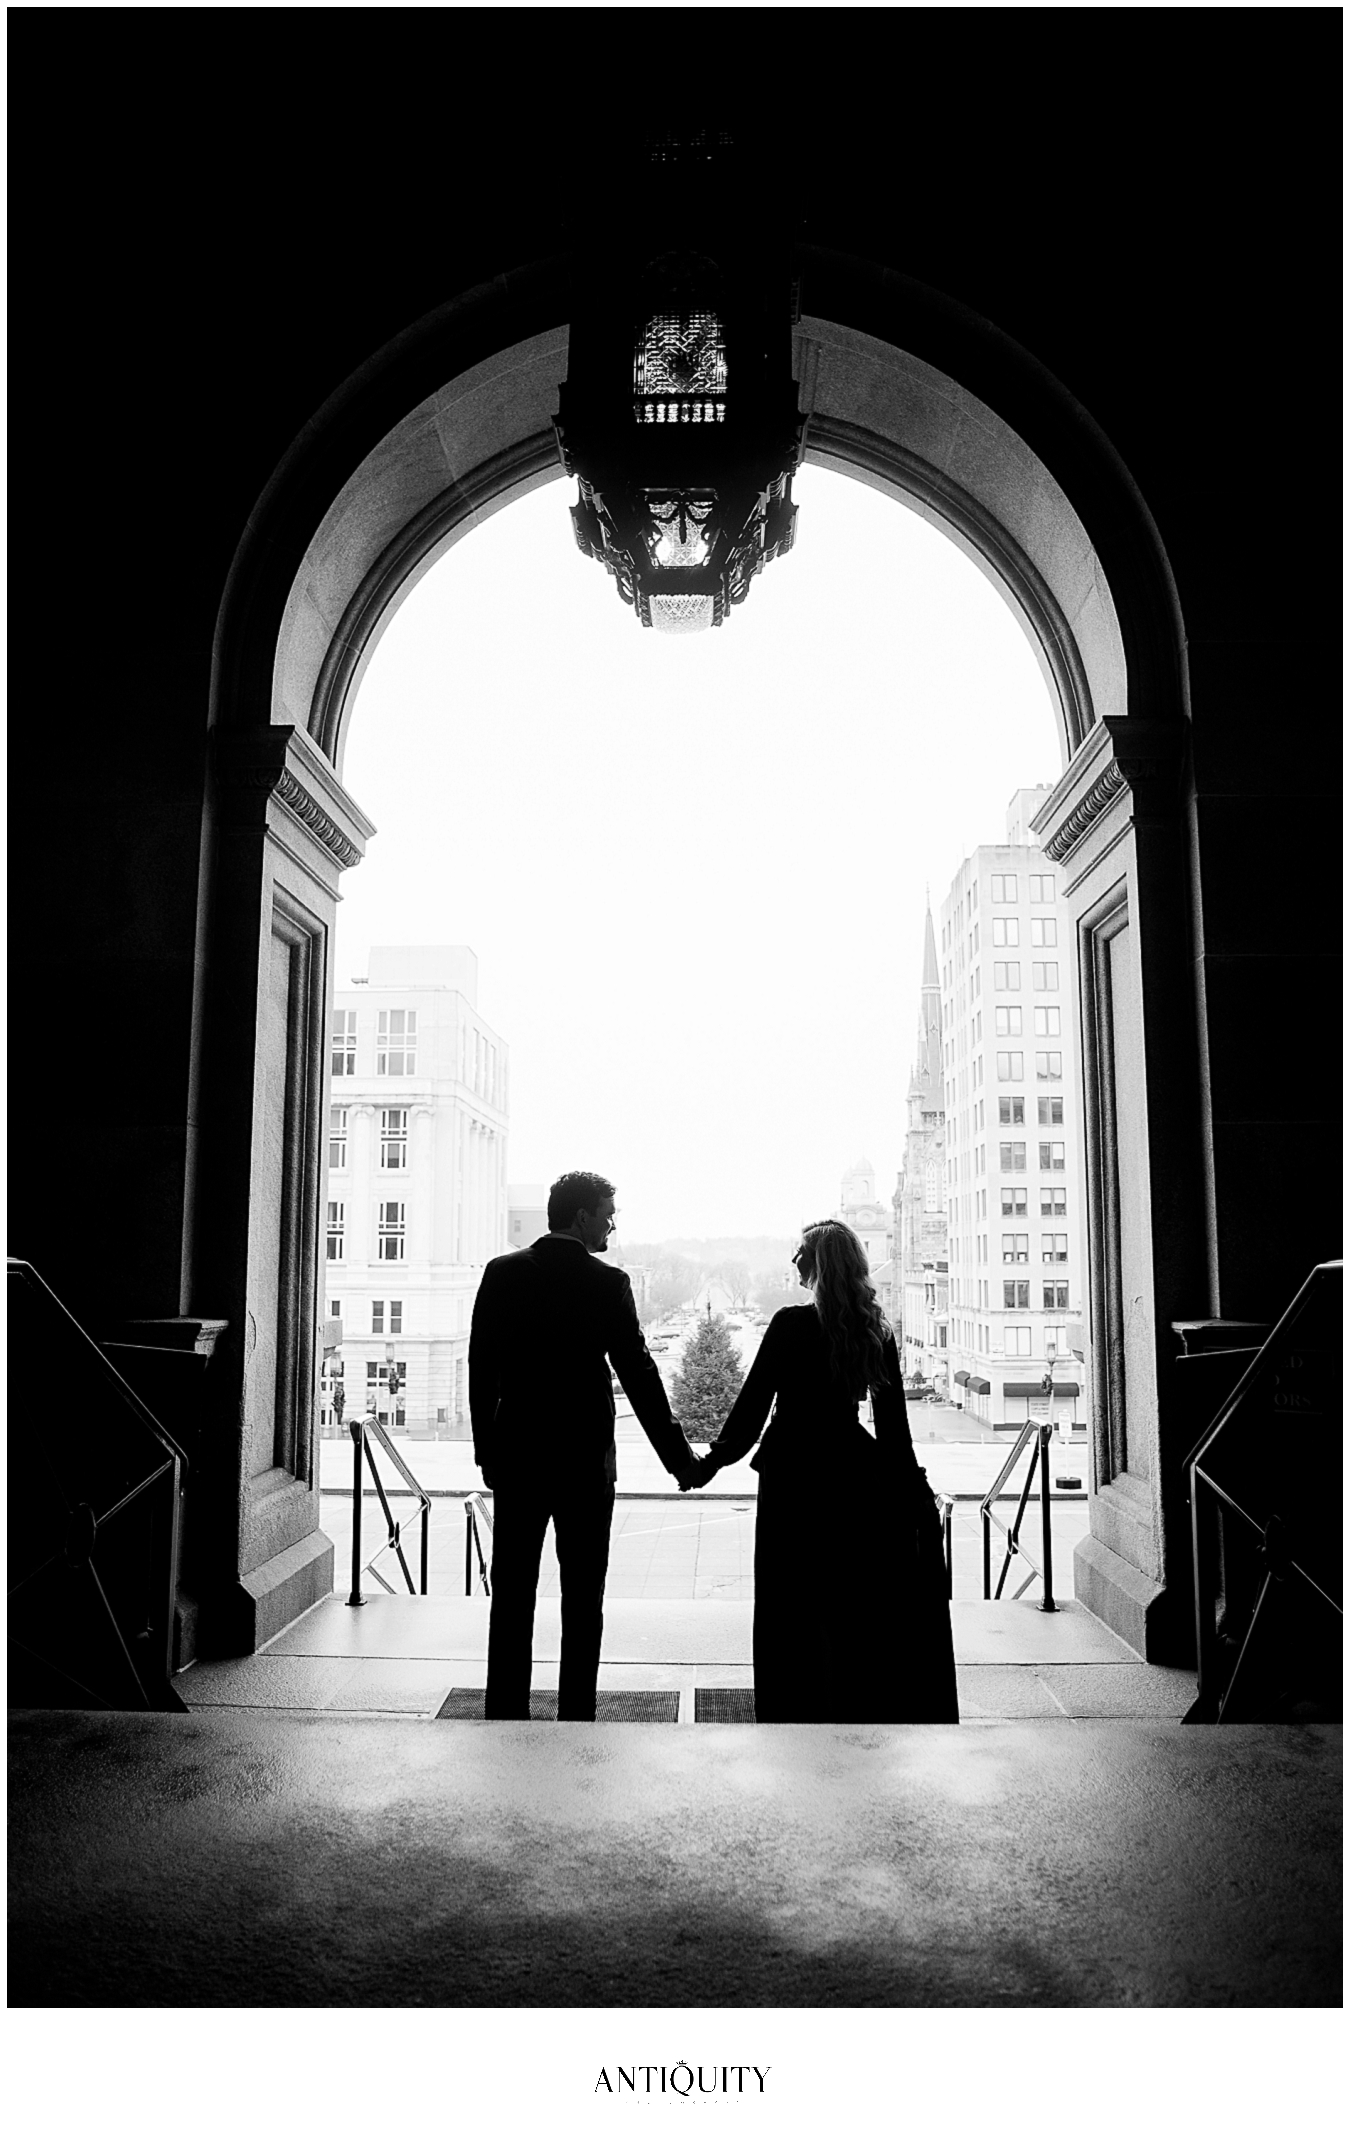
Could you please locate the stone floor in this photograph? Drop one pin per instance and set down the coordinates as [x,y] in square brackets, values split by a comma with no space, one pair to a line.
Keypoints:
[266,1857]
[310,1834]
[401,1655]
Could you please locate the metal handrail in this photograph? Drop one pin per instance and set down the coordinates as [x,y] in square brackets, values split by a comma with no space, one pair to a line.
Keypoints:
[476,1510]
[132,1592]
[945,1503]
[1218,1676]
[362,1430]
[1038,1436]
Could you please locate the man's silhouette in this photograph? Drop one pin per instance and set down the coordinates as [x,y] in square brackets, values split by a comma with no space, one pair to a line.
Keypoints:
[548,1322]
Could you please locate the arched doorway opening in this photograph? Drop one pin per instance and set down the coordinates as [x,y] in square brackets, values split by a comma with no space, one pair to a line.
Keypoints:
[386,480]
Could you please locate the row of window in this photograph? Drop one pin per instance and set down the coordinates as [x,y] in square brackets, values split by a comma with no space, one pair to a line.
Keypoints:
[1012,1155]
[1049,1066]
[390,1236]
[1017,1342]
[1017,1297]
[1007,932]
[1013,1201]
[1009,1066]
[396,1049]
[377,1314]
[1054,1247]
[1003,887]
[1045,1021]
[395,1043]
[393,1139]
[1012,1111]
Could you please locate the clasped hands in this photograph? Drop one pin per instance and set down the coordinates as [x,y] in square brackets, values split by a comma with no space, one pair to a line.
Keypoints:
[697,1471]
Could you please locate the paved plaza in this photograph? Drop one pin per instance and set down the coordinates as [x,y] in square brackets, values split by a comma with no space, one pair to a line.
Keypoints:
[702,1546]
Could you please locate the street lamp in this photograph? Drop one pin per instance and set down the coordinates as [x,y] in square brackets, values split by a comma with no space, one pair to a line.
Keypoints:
[1070,1481]
[679,415]
[1048,1378]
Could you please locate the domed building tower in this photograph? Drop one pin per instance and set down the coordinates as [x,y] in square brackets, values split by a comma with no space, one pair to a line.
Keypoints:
[864,1213]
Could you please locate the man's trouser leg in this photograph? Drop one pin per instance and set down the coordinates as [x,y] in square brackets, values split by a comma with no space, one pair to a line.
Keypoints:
[581,1519]
[519,1520]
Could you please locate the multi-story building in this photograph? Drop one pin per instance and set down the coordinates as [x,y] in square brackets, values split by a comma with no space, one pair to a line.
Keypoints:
[1014,1179]
[919,1295]
[416,1201]
[526,1215]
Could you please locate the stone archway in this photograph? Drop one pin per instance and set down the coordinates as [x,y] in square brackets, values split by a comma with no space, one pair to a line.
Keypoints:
[907,393]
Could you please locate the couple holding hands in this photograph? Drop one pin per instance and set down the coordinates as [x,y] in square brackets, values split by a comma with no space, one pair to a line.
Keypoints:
[862,1635]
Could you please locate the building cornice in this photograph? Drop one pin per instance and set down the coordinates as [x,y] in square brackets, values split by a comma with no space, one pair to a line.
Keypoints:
[281,764]
[1120,755]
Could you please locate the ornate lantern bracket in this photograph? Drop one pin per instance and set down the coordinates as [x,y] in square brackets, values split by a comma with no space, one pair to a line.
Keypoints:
[679,414]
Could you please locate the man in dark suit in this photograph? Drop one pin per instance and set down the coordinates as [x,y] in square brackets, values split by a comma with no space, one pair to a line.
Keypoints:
[548,1322]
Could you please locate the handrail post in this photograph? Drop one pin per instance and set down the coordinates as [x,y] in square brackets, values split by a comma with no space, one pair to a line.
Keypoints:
[988,1576]
[1048,1600]
[426,1517]
[468,1549]
[358,1434]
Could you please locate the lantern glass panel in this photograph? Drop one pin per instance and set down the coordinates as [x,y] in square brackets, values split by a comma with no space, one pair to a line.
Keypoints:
[683,536]
[681,615]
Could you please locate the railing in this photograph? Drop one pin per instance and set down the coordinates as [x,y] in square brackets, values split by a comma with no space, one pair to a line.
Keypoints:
[362,1432]
[1038,1437]
[477,1533]
[1264,1536]
[95,1523]
[945,1503]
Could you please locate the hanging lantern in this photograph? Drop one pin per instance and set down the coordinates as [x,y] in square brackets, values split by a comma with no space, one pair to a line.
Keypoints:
[679,416]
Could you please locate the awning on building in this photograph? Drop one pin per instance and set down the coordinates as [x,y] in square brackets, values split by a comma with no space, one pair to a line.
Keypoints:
[977,1385]
[962,1379]
[1033,1387]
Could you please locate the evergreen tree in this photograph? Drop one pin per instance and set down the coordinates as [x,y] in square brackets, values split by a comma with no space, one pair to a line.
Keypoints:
[708,1381]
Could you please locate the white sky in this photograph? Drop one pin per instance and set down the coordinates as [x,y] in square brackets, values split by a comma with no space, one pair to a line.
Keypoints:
[693,868]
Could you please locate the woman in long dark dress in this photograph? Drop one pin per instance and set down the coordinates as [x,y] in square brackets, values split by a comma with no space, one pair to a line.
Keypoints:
[852,1623]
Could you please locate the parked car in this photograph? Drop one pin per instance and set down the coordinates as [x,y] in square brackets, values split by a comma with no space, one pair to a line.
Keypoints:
[918,1391]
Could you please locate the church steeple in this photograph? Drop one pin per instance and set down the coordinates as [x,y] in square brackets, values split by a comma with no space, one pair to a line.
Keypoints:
[926,1082]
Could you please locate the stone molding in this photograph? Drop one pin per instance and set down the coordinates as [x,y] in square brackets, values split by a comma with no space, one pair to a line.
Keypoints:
[282,764]
[1119,755]
[1070,833]
[291,793]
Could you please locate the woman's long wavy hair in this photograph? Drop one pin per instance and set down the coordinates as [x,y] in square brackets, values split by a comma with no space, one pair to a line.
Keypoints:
[834,1265]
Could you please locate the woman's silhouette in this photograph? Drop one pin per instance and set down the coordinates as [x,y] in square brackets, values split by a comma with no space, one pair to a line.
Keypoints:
[851,1616]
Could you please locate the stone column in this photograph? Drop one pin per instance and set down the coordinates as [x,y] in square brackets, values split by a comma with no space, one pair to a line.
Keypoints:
[281,829]
[421,1184]
[1115,826]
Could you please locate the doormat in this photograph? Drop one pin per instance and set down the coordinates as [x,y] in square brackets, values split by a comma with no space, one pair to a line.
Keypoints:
[724,1704]
[464,1704]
